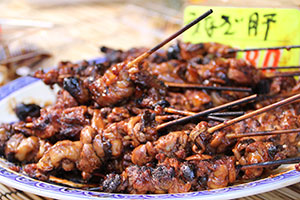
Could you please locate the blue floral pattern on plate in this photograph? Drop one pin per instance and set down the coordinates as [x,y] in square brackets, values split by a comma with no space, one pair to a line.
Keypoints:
[15,179]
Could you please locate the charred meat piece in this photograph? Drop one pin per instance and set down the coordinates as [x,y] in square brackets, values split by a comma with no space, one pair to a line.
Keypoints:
[175,144]
[76,88]
[27,110]
[56,123]
[173,176]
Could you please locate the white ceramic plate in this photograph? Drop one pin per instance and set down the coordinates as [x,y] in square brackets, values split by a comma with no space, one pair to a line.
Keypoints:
[29,90]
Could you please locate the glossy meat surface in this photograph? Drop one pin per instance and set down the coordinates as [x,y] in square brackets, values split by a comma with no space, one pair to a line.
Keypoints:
[102,129]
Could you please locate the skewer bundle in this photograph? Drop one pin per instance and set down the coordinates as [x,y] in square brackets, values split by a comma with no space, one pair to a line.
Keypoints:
[123,126]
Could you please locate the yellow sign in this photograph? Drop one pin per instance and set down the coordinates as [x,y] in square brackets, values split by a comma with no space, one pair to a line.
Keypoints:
[249,27]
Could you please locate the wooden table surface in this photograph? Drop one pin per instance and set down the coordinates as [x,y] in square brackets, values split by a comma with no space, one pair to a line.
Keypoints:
[78,32]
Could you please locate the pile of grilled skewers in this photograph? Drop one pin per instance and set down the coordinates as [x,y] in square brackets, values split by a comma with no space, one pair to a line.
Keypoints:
[188,118]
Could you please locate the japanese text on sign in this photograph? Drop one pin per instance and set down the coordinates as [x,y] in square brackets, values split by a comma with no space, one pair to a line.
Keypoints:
[249,27]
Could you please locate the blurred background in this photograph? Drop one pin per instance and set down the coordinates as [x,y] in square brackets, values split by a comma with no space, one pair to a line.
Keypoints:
[40,33]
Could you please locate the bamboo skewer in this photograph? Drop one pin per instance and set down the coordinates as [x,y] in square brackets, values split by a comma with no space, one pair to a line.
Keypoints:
[270,163]
[263,48]
[189,113]
[233,113]
[199,86]
[70,183]
[284,74]
[22,57]
[279,67]
[206,112]
[277,96]
[149,52]
[179,112]
[254,113]
[162,118]
[262,133]
[220,119]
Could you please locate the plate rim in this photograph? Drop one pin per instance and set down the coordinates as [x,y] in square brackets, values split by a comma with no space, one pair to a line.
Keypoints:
[41,188]
[14,179]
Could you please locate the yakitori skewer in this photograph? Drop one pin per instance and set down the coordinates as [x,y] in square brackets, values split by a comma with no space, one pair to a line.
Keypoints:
[270,163]
[254,113]
[54,179]
[262,133]
[208,111]
[209,160]
[109,89]
[149,52]
[204,87]
[264,48]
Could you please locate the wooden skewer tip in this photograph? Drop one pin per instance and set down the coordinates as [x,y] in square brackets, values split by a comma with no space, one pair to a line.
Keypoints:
[206,112]
[262,133]
[176,34]
[270,163]
[254,113]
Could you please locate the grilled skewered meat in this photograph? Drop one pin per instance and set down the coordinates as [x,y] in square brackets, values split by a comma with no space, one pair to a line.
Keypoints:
[281,118]
[104,121]
[173,176]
